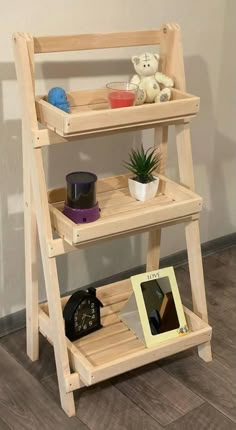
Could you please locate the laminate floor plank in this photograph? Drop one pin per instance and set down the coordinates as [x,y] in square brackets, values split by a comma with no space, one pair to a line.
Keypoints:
[4,426]
[25,404]
[15,344]
[213,382]
[104,407]
[160,395]
[203,418]
[157,393]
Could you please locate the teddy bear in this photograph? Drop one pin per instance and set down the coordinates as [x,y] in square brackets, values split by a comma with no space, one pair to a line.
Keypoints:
[148,79]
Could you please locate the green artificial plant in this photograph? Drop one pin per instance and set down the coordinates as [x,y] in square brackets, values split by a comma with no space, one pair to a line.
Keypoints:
[143,163]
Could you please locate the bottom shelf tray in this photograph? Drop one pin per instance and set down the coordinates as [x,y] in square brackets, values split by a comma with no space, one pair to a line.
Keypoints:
[115,349]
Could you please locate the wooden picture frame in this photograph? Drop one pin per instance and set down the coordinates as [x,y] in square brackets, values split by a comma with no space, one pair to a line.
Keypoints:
[135,315]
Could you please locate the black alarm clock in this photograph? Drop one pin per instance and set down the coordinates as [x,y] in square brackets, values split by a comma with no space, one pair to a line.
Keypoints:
[82,314]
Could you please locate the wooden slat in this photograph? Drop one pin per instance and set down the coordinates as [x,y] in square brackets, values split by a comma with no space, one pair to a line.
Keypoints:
[60,246]
[110,319]
[113,303]
[101,334]
[104,357]
[94,99]
[112,296]
[105,118]
[104,185]
[80,42]
[109,367]
[101,345]
[124,205]
[48,136]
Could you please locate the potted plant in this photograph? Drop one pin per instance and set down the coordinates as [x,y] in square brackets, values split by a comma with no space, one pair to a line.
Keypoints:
[143,186]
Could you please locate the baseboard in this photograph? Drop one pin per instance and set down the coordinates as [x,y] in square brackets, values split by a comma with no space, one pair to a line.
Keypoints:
[16,321]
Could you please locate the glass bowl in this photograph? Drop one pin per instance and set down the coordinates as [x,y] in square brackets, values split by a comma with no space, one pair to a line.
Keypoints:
[121,94]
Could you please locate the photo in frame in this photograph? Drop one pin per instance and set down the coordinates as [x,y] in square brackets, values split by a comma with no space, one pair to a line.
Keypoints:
[154,311]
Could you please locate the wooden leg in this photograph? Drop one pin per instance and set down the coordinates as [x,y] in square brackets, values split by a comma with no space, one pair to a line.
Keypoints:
[153,254]
[59,339]
[31,272]
[51,281]
[154,237]
[184,151]
[197,280]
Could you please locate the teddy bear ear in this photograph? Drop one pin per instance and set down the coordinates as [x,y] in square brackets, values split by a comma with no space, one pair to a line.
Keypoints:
[157,56]
[135,59]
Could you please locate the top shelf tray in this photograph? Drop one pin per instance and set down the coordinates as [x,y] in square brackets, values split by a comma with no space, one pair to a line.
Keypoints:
[90,113]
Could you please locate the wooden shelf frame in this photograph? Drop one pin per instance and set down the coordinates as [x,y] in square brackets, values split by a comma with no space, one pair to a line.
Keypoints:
[90,113]
[115,349]
[75,362]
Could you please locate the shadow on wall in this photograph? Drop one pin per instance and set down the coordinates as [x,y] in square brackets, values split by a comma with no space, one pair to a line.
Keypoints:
[224,157]
[214,152]
[11,216]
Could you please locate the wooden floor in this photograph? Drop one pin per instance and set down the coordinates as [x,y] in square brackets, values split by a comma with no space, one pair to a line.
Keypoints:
[178,393]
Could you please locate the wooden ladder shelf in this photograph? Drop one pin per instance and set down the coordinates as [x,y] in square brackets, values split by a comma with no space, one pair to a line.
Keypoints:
[113,349]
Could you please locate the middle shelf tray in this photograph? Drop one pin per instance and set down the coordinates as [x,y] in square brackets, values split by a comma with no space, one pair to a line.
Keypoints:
[122,214]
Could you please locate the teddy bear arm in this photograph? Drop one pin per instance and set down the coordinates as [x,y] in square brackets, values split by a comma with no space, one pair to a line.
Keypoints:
[135,80]
[163,79]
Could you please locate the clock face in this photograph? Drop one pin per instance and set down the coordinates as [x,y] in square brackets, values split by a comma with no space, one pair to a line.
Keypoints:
[86,316]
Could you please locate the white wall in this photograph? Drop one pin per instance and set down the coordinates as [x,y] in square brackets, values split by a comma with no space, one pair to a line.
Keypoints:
[210,70]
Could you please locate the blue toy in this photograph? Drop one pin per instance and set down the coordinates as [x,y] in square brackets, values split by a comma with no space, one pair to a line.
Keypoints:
[57,97]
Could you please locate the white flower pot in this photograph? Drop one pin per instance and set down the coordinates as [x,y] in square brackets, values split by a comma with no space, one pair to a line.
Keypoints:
[143,192]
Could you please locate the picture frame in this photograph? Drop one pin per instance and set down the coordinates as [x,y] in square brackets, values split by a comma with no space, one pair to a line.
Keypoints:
[154,311]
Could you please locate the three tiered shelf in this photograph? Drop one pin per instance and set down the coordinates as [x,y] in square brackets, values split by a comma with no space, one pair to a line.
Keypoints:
[114,349]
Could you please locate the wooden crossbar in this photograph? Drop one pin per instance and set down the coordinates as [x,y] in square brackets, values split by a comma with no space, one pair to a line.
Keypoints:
[95,41]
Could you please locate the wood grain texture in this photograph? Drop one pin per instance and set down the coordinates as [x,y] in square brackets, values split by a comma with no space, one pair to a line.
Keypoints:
[203,418]
[95,41]
[25,404]
[214,382]
[158,394]
[15,344]
[103,406]
[4,426]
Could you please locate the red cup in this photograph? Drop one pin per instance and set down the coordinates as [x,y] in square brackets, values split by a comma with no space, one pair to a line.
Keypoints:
[121,94]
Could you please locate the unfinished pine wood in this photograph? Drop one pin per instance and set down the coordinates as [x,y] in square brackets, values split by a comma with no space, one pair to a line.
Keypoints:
[47,136]
[43,220]
[120,213]
[197,280]
[98,117]
[154,237]
[115,349]
[81,42]
[171,53]
[30,231]
[184,152]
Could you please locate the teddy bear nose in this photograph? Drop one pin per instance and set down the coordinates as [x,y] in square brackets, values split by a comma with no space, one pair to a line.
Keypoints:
[148,65]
